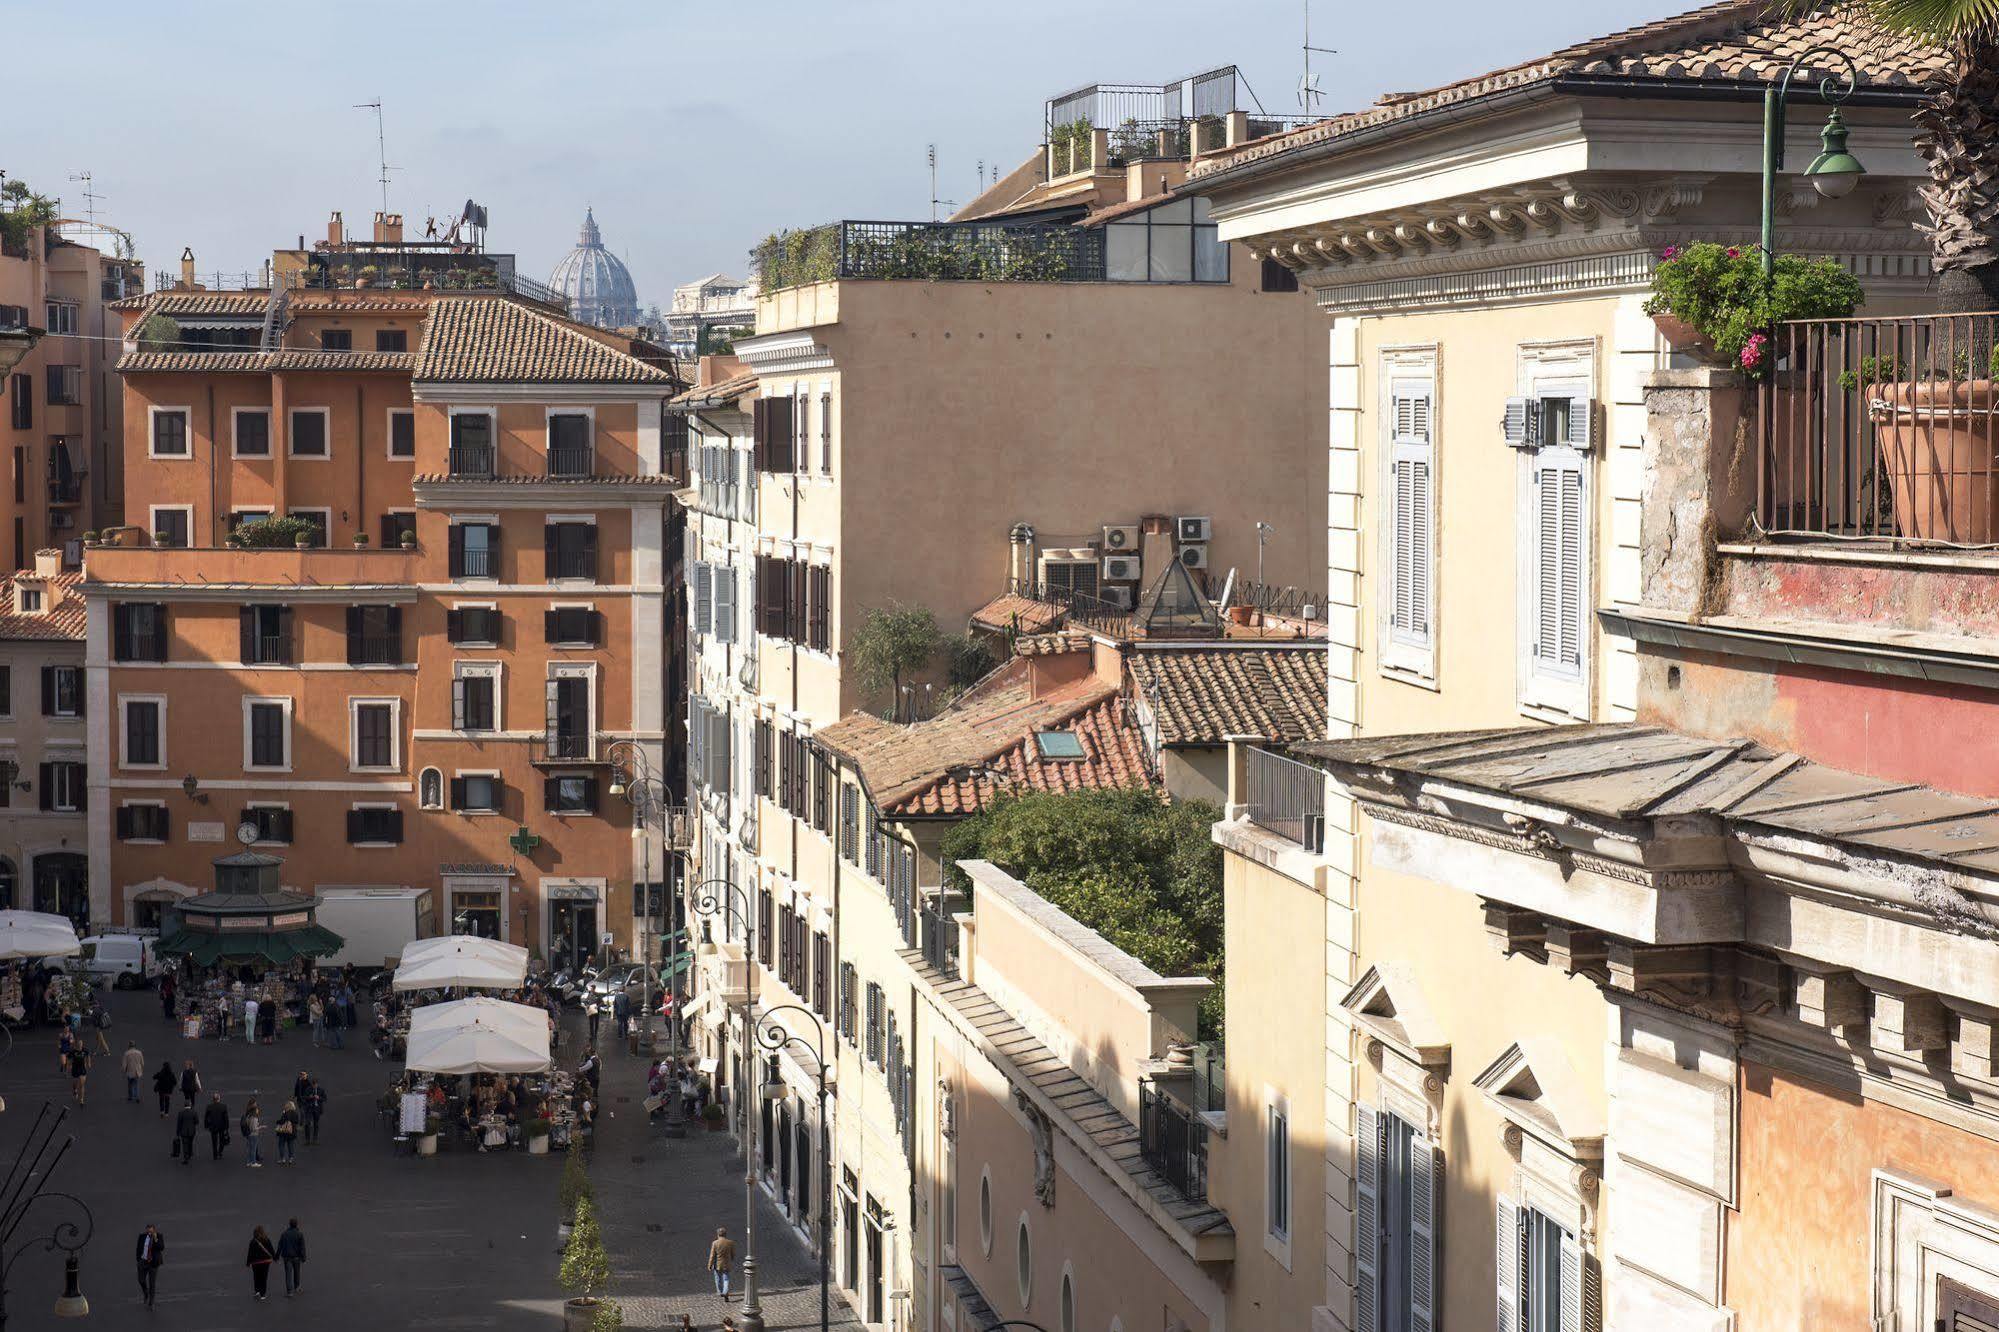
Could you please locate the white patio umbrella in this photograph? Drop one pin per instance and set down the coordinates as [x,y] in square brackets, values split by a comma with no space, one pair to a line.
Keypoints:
[36,934]
[478,1036]
[478,964]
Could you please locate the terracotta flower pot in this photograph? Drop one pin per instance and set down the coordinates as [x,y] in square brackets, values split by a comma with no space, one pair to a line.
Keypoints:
[1684,338]
[1940,451]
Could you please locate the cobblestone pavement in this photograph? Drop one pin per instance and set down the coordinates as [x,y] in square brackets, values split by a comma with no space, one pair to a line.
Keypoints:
[459,1241]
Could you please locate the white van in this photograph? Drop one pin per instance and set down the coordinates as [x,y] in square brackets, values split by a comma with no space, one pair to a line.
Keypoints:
[127,960]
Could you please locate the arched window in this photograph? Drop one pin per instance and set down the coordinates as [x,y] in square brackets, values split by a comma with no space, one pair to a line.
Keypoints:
[1023,1264]
[986,1211]
[8,877]
[430,789]
[1068,1303]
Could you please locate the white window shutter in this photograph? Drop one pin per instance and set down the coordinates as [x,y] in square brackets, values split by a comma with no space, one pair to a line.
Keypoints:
[1518,425]
[1410,465]
[1506,1259]
[1582,422]
[1367,1219]
[1558,562]
[725,604]
[1580,1304]
[1422,1234]
[704,578]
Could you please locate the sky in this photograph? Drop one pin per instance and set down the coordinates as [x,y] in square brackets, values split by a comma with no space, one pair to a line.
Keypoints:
[230,126]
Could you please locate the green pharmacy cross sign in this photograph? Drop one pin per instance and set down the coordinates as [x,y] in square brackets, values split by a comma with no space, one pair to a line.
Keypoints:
[523,842]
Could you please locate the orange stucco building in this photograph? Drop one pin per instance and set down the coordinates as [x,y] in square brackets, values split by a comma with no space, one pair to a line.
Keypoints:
[424,689]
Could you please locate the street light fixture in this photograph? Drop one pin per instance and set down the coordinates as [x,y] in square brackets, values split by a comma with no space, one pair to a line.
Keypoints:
[774,1036]
[632,779]
[27,1184]
[1835,171]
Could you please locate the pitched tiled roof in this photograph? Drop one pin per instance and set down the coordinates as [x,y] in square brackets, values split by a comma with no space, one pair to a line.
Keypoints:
[63,620]
[495,340]
[1202,696]
[445,478]
[727,391]
[257,362]
[1737,41]
[1012,613]
[907,768]
[332,303]
[1052,645]
[198,304]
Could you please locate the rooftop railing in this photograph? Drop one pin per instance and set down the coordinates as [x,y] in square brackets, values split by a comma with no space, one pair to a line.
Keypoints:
[1173,1142]
[1882,430]
[1285,797]
[935,251]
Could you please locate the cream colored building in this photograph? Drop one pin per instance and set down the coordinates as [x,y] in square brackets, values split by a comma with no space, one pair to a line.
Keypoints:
[43,774]
[1481,253]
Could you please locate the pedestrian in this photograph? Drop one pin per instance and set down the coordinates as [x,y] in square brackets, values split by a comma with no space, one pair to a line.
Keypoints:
[262,1255]
[152,1251]
[346,996]
[133,1064]
[291,1248]
[287,1131]
[621,1011]
[315,1009]
[216,1120]
[312,1106]
[100,1022]
[164,1083]
[65,1042]
[596,1014]
[167,992]
[250,1007]
[250,1125]
[335,1025]
[190,1082]
[267,1024]
[722,1260]
[79,1071]
[184,1130]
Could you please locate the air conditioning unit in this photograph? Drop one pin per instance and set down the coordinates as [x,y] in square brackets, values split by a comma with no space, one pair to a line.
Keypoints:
[1124,596]
[1194,529]
[1120,568]
[1120,538]
[1194,557]
[60,521]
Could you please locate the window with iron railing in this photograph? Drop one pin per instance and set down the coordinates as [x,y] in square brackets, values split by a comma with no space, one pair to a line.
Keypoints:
[1286,797]
[472,453]
[266,634]
[569,445]
[1173,1142]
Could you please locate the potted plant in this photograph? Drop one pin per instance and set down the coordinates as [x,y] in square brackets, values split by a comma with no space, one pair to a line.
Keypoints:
[409,541]
[1933,419]
[713,1116]
[368,275]
[360,538]
[610,1317]
[426,1145]
[537,1135]
[303,541]
[574,1188]
[585,1270]
[1713,302]
[90,537]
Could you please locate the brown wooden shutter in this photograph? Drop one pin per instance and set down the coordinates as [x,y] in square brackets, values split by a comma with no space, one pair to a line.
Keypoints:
[246,623]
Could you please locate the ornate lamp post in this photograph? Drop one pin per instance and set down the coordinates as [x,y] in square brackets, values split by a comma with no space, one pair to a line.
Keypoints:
[26,1185]
[1835,171]
[734,903]
[774,1037]
[632,778]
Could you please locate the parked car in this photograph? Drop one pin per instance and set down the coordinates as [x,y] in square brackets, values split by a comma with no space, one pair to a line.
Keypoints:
[126,960]
[601,990]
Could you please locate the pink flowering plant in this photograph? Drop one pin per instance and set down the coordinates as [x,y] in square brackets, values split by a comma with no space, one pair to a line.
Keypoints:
[1722,293]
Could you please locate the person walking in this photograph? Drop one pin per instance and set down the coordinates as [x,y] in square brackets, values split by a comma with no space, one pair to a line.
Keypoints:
[596,1008]
[250,1007]
[335,1025]
[267,1024]
[251,1125]
[184,1131]
[216,1120]
[133,1064]
[65,1043]
[722,1260]
[262,1254]
[152,1251]
[312,1105]
[291,1248]
[190,1082]
[100,1022]
[287,1131]
[346,997]
[621,1013]
[315,1010]
[79,1071]
[168,989]
[164,1083]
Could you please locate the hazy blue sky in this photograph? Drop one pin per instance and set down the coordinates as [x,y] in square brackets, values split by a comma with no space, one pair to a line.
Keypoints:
[694,129]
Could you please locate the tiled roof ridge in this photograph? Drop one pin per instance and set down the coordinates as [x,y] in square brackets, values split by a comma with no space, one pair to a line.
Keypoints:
[1001,746]
[504,339]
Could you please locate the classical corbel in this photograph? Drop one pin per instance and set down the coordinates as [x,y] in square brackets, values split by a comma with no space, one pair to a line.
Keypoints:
[1412,237]
[1355,245]
[1381,242]
[1331,251]
[1506,217]
[1662,200]
[1897,207]
[1304,254]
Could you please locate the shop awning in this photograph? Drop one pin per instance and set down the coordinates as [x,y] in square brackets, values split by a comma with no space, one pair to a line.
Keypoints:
[460,959]
[206,948]
[698,1004]
[36,934]
[478,1036]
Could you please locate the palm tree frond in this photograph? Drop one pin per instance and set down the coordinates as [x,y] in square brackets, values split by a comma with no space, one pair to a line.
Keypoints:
[1939,22]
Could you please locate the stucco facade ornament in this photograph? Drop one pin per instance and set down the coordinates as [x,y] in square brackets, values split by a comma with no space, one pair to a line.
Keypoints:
[1042,1134]
[947,1111]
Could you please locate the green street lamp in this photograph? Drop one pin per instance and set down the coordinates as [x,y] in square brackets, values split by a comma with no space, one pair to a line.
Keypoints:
[1835,171]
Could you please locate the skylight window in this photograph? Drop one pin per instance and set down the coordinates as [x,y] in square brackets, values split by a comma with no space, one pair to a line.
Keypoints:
[1059,744]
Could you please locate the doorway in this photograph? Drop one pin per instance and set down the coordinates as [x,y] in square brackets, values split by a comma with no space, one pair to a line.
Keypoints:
[876,1276]
[475,913]
[572,926]
[62,886]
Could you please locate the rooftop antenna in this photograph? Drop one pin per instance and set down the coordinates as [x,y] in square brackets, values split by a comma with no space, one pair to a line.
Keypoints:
[90,198]
[381,147]
[1308,86]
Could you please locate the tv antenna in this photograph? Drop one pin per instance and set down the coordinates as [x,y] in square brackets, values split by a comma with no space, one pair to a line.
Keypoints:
[90,197]
[381,147]
[934,200]
[1308,86]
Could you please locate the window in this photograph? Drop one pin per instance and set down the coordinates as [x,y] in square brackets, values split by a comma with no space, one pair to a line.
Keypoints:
[475,793]
[986,1212]
[1552,428]
[1059,746]
[142,733]
[318,520]
[1396,1193]
[822,962]
[795,602]
[1068,1303]
[23,406]
[474,624]
[571,551]
[374,734]
[266,635]
[771,434]
[169,432]
[1544,1277]
[402,430]
[474,550]
[6,694]
[1408,643]
[251,432]
[849,1021]
[475,699]
[29,600]
[63,788]
[1276,277]
[396,525]
[374,635]
[267,733]
[64,385]
[1174,242]
[238,517]
[139,631]
[576,625]
[430,789]
[1277,1170]
[142,823]
[336,339]
[61,317]
[826,432]
[62,691]
[877,1025]
[1023,1263]
[392,340]
[272,823]
[568,444]
[308,432]
[374,825]
[471,444]
[170,527]
[570,793]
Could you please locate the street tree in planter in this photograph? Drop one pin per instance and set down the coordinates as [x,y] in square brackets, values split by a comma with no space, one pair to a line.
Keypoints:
[893,642]
[585,1269]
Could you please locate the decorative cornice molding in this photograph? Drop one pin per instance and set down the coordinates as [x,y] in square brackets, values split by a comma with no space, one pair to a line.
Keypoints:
[784,353]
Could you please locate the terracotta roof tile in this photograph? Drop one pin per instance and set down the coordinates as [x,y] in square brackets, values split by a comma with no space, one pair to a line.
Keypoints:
[717,394]
[258,362]
[1012,613]
[443,478]
[1203,696]
[198,304]
[1736,40]
[63,620]
[495,340]
[1051,645]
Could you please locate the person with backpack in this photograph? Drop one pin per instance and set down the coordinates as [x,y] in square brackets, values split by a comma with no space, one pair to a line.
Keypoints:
[100,1022]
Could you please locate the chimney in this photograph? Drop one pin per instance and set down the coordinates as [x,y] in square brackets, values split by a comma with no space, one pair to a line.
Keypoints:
[1155,546]
[336,233]
[388,228]
[48,563]
[187,268]
[1020,564]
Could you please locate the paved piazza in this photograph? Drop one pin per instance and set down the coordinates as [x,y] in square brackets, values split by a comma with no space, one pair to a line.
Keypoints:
[461,1240]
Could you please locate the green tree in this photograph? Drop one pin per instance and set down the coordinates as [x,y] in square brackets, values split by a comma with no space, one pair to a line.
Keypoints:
[21,209]
[278,531]
[157,333]
[892,642]
[586,1267]
[967,661]
[1143,873]
[575,1185]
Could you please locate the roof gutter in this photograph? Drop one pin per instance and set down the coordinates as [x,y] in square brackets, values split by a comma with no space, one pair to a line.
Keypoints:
[1797,649]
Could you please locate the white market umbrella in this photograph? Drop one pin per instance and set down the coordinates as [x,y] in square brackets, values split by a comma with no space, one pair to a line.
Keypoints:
[477,964]
[36,934]
[478,1036]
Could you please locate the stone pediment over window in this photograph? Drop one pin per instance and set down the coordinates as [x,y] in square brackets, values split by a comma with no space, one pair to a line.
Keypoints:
[1388,1004]
[1536,1087]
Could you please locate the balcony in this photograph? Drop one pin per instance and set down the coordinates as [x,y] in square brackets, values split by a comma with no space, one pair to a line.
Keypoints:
[939,942]
[472,462]
[557,747]
[1173,1142]
[66,492]
[1285,797]
[570,460]
[374,650]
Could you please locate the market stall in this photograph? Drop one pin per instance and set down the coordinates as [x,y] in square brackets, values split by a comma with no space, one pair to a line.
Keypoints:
[483,1069]
[249,924]
[26,936]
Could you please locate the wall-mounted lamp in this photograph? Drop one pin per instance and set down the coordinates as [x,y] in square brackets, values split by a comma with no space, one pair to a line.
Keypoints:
[10,775]
[192,789]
